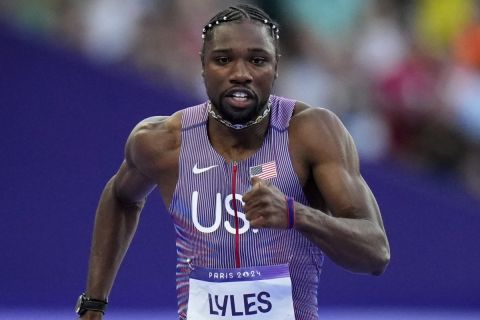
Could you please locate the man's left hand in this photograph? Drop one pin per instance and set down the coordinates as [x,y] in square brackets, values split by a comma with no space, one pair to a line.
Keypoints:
[265,205]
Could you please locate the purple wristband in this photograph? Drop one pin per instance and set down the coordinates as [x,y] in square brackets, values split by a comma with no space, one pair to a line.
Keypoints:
[291,212]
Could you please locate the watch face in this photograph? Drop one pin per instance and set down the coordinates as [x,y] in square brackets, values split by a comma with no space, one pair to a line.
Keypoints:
[78,306]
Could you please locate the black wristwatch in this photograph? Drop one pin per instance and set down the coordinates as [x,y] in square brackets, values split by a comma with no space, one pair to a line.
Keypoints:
[85,304]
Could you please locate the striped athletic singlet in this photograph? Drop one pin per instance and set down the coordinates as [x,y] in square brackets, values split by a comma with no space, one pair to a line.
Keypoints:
[203,213]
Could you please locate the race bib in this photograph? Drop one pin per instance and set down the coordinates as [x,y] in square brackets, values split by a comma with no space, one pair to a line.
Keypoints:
[255,293]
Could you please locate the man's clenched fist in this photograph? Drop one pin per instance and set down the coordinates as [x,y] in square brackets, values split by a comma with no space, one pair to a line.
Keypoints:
[265,205]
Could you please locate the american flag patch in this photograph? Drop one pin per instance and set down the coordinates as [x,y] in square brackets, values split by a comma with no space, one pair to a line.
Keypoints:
[264,171]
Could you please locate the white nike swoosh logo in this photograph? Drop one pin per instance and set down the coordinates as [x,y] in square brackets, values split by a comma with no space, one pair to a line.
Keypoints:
[197,170]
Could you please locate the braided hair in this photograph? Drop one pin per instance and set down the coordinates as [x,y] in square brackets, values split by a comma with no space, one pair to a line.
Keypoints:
[238,13]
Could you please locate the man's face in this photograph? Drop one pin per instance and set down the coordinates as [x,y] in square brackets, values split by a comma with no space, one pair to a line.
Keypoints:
[239,68]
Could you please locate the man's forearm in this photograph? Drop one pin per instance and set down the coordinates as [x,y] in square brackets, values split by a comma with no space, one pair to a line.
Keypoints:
[115,225]
[358,245]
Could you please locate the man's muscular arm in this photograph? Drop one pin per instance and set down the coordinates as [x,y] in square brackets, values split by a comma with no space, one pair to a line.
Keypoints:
[117,216]
[351,232]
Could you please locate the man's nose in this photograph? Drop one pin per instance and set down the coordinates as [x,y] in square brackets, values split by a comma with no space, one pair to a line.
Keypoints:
[240,73]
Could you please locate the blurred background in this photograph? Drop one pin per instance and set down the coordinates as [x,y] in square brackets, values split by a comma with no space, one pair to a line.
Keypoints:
[76,76]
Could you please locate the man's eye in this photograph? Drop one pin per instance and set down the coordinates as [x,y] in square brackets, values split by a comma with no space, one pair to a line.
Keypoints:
[258,60]
[222,60]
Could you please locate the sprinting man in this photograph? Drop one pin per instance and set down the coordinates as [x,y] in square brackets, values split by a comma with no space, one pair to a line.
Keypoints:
[259,188]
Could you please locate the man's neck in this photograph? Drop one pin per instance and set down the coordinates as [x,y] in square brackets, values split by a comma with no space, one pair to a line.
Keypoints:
[236,145]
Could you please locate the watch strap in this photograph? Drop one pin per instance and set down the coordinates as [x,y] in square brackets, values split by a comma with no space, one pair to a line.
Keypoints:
[86,303]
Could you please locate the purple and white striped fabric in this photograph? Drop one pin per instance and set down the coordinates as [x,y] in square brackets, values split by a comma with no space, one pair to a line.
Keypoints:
[203,214]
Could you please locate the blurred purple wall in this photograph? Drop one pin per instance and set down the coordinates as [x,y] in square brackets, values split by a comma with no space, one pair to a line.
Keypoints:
[64,123]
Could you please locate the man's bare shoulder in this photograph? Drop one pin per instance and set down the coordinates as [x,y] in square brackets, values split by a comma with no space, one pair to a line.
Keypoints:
[316,120]
[319,131]
[154,139]
[151,128]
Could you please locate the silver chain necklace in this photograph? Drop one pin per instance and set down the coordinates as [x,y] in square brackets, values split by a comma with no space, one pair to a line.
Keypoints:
[227,123]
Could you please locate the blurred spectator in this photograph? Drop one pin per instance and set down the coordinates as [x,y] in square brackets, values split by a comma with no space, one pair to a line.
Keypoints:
[111,27]
[437,22]
[463,87]
[331,21]
[462,94]
[302,71]
[408,98]
[467,45]
[380,44]
[371,135]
